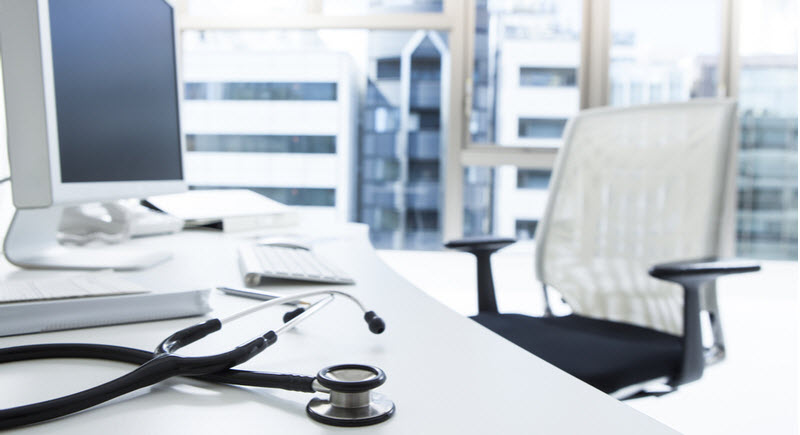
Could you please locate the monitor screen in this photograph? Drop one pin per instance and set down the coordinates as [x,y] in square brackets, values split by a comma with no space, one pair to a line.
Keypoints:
[116,90]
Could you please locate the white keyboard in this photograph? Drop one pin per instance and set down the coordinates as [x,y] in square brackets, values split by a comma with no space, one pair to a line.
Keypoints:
[283,262]
[103,283]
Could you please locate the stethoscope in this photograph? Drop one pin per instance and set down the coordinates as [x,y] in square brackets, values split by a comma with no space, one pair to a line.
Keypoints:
[350,400]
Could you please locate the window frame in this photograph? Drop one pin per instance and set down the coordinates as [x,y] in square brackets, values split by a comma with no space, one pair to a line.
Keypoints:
[458,20]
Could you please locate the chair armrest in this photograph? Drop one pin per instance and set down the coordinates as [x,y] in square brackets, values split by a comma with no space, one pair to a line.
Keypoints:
[701,270]
[692,274]
[482,248]
[473,244]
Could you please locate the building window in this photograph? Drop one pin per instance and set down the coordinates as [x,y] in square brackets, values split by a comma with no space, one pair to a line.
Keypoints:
[533,178]
[388,69]
[541,128]
[765,130]
[424,119]
[424,220]
[540,76]
[764,198]
[380,170]
[319,197]
[260,91]
[423,170]
[526,229]
[251,143]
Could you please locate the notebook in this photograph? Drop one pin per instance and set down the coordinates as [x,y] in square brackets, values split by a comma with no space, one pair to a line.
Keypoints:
[86,300]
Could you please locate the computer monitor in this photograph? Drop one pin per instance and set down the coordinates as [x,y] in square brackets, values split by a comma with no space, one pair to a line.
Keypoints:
[92,109]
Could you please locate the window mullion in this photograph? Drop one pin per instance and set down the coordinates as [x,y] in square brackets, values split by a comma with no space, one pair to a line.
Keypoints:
[728,78]
[728,86]
[595,53]
[453,198]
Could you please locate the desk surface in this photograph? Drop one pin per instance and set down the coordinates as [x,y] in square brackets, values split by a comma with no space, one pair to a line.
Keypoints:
[445,373]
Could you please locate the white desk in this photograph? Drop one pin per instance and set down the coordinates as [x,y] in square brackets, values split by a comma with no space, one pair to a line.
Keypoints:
[446,374]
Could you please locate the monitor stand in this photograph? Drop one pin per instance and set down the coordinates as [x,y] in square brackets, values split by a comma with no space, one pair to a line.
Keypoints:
[32,242]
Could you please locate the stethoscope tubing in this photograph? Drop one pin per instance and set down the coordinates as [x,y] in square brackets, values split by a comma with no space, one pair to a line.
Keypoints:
[138,356]
[156,369]
[162,364]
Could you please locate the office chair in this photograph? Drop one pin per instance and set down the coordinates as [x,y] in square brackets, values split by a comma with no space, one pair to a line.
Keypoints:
[636,194]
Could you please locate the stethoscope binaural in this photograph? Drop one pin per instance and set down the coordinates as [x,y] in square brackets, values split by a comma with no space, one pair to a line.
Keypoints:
[350,401]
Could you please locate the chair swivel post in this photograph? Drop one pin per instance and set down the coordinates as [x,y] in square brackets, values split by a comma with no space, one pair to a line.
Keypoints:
[483,248]
[692,275]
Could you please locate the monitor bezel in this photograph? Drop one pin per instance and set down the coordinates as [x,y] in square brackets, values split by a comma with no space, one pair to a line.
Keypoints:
[82,192]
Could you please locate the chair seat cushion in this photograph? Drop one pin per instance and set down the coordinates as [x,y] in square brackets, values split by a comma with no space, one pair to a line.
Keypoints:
[607,355]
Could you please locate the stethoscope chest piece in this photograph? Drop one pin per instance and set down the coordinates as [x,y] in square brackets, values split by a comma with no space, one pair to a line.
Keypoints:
[351,402]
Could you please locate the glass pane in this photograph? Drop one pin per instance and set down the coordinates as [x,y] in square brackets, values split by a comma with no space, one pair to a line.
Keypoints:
[478,199]
[504,200]
[345,122]
[525,83]
[218,8]
[663,51]
[767,185]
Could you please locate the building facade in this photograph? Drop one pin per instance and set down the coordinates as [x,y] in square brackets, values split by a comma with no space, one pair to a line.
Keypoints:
[401,148]
[356,130]
[767,184]
[532,90]
[282,123]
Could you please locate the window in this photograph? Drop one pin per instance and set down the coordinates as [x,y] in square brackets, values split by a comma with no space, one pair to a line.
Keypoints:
[291,100]
[762,198]
[261,91]
[526,229]
[422,171]
[478,200]
[380,170]
[767,183]
[262,114]
[252,143]
[424,220]
[388,69]
[402,126]
[527,54]
[536,76]
[660,54]
[532,179]
[288,195]
[498,199]
[380,78]
[541,128]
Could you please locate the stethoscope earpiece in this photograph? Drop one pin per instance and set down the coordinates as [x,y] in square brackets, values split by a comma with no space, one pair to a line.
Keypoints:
[376,324]
[351,402]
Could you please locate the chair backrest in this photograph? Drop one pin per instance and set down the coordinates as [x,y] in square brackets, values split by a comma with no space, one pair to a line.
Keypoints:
[634,187]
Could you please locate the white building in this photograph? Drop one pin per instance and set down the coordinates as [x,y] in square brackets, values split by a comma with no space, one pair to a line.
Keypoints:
[283,123]
[537,93]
